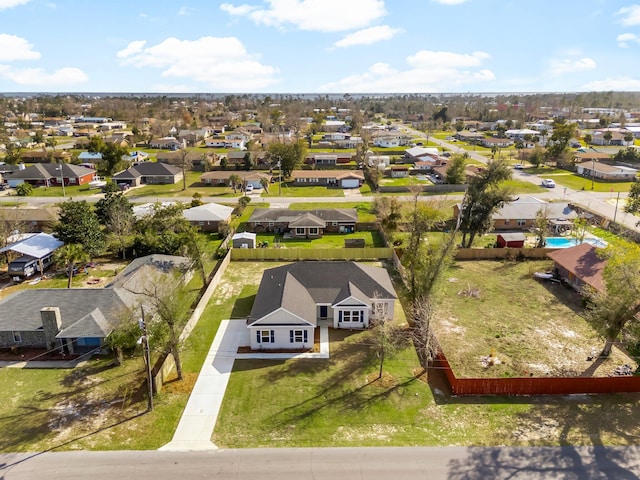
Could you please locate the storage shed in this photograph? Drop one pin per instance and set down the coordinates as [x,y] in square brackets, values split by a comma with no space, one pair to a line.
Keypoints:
[511,240]
[244,240]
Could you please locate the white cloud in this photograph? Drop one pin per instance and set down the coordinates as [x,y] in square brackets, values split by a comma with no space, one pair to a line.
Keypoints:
[134,47]
[567,65]
[313,15]
[429,71]
[213,63]
[630,15]
[63,77]
[12,3]
[239,11]
[368,36]
[625,38]
[185,11]
[449,2]
[619,84]
[14,48]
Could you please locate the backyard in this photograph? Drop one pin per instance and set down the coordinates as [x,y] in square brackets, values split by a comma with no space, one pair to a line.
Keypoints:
[495,319]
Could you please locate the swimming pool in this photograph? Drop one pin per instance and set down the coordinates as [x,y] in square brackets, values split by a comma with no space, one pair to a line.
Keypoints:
[566,242]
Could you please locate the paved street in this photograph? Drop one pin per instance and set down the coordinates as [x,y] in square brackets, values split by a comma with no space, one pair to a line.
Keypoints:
[444,463]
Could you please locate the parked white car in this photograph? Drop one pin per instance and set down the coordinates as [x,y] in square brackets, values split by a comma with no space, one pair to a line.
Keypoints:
[547,182]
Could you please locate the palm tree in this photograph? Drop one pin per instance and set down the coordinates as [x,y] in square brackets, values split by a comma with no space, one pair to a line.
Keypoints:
[69,255]
[607,136]
[265,184]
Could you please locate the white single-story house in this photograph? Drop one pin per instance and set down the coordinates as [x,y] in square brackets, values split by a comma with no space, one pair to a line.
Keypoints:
[292,299]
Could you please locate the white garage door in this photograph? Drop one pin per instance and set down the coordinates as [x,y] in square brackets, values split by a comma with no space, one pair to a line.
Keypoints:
[350,183]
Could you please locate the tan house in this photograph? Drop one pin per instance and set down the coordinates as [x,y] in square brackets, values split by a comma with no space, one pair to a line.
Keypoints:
[328,178]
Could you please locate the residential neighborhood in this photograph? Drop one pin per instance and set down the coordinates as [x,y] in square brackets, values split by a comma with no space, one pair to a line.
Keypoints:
[348,255]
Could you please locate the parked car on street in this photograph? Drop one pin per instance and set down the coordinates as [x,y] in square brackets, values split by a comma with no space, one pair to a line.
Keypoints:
[547,182]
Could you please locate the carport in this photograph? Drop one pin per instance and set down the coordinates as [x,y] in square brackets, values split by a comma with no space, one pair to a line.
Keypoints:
[38,246]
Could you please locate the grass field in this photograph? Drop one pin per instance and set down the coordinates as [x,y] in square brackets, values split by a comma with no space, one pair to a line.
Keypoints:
[175,189]
[372,239]
[577,182]
[532,327]
[288,190]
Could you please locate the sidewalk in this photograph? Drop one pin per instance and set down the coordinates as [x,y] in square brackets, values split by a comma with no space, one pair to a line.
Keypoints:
[201,412]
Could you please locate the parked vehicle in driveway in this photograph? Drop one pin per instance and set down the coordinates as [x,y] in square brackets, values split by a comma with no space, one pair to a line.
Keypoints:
[547,182]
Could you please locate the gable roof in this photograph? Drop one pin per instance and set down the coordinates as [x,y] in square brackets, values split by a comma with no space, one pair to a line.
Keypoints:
[298,287]
[582,261]
[288,216]
[526,208]
[148,169]
[208,212]
[43,171]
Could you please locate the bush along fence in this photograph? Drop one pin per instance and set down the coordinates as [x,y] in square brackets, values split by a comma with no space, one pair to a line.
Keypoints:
[534,385]
[502,253]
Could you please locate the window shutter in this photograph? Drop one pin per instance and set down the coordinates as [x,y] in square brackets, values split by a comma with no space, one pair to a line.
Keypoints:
[258,335]
[273,336]
[306,337]
[340,316]
[290,336]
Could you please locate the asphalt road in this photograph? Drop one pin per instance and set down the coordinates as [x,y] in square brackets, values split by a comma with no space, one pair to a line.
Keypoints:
[443,463]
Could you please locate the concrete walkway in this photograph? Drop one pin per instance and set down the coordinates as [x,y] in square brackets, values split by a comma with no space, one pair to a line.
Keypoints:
[201,412]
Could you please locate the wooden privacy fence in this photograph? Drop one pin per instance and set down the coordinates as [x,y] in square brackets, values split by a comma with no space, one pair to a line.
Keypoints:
[292,254]
[535,385]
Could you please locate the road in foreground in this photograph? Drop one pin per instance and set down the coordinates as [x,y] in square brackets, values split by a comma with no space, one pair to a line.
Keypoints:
[450,463]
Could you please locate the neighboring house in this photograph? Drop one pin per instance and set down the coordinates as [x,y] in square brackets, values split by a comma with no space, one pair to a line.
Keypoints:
[51,175]
[44,156]
[580,266]
[149,173]
[521,214]
[603,171]
[328,159]
[221,177]
[90,157]
[591,156]
[195,160]
[207,217]
[77,320]
[37,254]
[469,137]
[167,143]
[491,142]
[303,223]
[292,299]
[617,138]
[328,178]
[417,154]
[28,219]
[243,240]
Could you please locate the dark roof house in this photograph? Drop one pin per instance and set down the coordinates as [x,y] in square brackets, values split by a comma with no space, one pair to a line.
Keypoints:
[293,299]
[303,223]
[149,173]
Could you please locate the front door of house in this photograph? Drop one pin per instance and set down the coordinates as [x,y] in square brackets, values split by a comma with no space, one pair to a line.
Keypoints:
[323,311]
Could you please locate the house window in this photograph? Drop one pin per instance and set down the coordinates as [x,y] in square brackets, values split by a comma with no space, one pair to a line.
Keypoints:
[335,224]
[506,221]
[299,231]
[266,336]
[17,337]
[271,224]
[72,180]
[521,222]
[351,316]
[313,231]
[298,336]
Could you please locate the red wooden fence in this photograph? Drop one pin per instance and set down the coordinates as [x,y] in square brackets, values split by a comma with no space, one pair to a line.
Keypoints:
[535,385]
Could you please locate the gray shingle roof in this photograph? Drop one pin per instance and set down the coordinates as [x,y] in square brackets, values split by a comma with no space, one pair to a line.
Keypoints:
[282,215]
[148,169]
[299,286]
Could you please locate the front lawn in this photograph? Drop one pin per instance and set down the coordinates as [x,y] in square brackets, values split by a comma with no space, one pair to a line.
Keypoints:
[175,189]
[403,181]
[577,182]
[520,186]
[534,328]
[288,190]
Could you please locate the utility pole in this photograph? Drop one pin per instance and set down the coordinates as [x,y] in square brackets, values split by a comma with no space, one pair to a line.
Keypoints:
[147,360]
[615,212]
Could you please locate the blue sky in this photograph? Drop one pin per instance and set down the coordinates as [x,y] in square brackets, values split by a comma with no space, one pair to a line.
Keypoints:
[319,46]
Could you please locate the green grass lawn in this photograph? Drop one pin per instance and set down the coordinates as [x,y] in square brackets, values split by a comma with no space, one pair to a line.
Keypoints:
[288,190]
[99,406]
[403,181]
[328,240]
[532,327]
[175,189]
[365,209]
[577,182]
[71,191]
[520,186]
